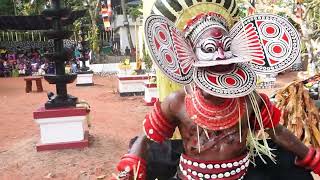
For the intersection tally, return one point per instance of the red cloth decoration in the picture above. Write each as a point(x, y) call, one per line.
point(156, 126)
point(270, 114)
point(129, 162)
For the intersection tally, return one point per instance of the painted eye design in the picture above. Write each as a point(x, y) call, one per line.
point(226, 41)
point(209, 46)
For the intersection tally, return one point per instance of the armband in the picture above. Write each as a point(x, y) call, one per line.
point(156, 126)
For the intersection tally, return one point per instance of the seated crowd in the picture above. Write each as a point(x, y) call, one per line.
point(24, 63)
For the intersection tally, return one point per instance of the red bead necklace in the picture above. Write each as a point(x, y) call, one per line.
point(214, 117)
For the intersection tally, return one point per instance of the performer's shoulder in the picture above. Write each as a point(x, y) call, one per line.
point(177, 96)
point(175, 100)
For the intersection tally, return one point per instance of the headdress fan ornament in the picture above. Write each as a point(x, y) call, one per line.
point(270, 42)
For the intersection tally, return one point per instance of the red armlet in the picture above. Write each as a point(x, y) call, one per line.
point(156, 126)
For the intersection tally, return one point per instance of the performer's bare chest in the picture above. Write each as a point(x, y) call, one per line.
point(208, 144)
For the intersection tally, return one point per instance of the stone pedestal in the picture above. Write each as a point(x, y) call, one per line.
point(62, 128)
point(85, 78)
point(130, 85)
point(150, 93)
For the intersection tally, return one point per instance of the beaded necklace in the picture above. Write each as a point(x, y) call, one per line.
point(214, 117)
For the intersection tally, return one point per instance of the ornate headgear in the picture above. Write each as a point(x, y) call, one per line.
point(261, 43)
point(182, 11)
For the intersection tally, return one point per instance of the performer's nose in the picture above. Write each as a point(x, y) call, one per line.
point(220, 54)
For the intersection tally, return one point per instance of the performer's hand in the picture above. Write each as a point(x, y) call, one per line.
point(127, 166)
point(123, 175)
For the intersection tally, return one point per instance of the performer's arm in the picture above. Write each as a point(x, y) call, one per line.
point(284, 138)
point(158, 126)
point(306, 157)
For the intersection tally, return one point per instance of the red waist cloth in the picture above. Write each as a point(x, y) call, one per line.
point(223, 170)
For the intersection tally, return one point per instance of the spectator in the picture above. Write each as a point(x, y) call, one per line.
point(1, 68)
point(7, 69)
point(127, 51)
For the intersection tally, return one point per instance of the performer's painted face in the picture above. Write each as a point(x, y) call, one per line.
point(213, 49)
point(213, 45)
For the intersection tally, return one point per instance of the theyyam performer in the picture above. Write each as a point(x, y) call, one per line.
point(204, 46)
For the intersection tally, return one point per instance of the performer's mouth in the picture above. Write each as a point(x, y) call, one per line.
point(222, 68)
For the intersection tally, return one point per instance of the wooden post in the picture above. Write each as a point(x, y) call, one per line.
point(16, 36)
point(32, 37)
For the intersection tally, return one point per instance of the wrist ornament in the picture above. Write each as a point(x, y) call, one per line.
point(132, 165)
point(311, 161)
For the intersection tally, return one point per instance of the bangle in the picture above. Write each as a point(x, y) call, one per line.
point(316, 169)
point(129, 162)
point(315, 160)
point(135, 157)
point(307, 159)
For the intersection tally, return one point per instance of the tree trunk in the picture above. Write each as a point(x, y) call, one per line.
point(94, 32)
point(126, 23)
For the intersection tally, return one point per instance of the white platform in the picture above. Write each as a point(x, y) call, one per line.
point(84, 79)
point(131, 84)
point(62, 129)
point(150, 92)
point(110, 68)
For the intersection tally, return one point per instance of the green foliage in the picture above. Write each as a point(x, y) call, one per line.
point(6, 7)
point(28, 9)
point(94, 39)
point(147, 59)
point(304, 48)
point(283, 14)
point(242, 12)
point(74, 4)
point(136, 11)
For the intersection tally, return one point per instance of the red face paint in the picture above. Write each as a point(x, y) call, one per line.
point(216, 33)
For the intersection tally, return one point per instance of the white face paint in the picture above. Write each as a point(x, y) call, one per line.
point(213, 48)
point(210, 49)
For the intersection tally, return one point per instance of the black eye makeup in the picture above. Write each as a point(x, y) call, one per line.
point(226, 41)
point(209, 46)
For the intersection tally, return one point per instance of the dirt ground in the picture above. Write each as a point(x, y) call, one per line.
point(114, 121)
